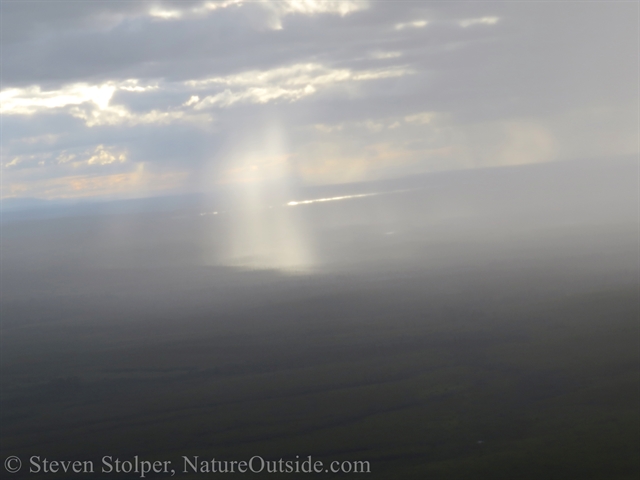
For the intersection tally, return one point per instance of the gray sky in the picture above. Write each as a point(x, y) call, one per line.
point(136, 98)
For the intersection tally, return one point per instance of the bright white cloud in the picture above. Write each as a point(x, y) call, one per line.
point(19, 161)
point(100, 155)
point(414, 24)
point(106, 156)
point(282, 8)
point(478, 21)
point(91, 103)
point(310, 7)
point(120, 115)
point(133, 85)
point(285, 83)
point(159, 13)
point(201, 9)
point(165, 14)
point(276, 8)
point(30, 100)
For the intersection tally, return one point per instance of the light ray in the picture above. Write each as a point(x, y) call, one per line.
point(262, 237)
point(330, 199)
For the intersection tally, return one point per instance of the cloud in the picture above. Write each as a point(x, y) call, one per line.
point(377, 148)
point(512, 142)
point(274, 11)
point(360, 90)
point(174, 12)
point(136, 182)
point(277, 8)
point(120, 115)
point(31, 100)
point(421, 118)
point(414, 24)
point(419, 143)
point(287, 83)
point(19, 161)
point(101, 156)
point(478, 21)
point(91, 103)
point(310, 7)
point(385, 55)
point(47, 138)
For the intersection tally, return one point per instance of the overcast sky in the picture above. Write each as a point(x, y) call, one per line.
point(135, 98)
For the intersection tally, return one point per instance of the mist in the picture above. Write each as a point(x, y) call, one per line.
point(380, 241)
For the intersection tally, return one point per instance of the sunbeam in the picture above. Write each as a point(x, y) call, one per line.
point(263, 237)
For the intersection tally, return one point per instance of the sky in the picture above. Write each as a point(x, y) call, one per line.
point(126, 99)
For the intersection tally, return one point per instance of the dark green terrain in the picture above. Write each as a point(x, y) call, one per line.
point(492, 377)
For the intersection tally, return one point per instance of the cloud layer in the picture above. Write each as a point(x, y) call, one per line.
point(142, 98)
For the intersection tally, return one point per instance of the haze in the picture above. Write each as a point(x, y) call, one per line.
point(400, 232)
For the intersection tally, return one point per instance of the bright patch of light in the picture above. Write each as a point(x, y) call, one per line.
point(91, 103)
point(277, 8)
point(133, 85)
point(165, 14)
point(310, 7)
point(30, 100)
point(201, 9)
point(300, 74)
point(269, 238)
point(478, 21)
point(287, 83)
point(331, 199)
point(415, 24)
point(101, 155)
point(192, 101)
point(120, 115)
point(26, 101)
